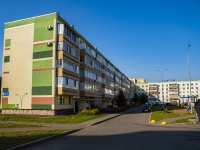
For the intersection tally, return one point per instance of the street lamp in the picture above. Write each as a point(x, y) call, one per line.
point(162, 82)
point(189, 75)
point(21, 98)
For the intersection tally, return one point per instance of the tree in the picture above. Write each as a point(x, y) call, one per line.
point(120, 99)
point(143, 98)
point(136, 98)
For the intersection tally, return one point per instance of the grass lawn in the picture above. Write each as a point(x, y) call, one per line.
point(11, 125)
point(51, 119)
point(158, 114)
point(12, 139)
point(183, 120)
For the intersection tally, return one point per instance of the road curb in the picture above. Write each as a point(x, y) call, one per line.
point(43, 139)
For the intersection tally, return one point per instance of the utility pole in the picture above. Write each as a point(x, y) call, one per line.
point(189, 75)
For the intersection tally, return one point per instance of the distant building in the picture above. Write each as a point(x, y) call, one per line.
point(49, 69)
point(168, 91)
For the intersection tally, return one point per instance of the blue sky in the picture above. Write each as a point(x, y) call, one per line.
point(137, 36)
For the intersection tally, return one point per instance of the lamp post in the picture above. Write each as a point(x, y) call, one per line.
point(162, 82)
point(189, 75)
point(21, 98)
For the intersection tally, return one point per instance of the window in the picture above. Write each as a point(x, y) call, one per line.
point(7, 42)
point(99, 79)
point(88, 61)
point(108, 74)
point(99, 58)
point(97, 66)
point(90, 51)
point(109, 91)
point(60, 99)
point(118, 73)
point(68, 32)
point(117, 79)
point(90, 75)
point(66, 82)
point(68, 49)
point(5, 90)
point(6, 59)
point(82, 59)
point(67, 65)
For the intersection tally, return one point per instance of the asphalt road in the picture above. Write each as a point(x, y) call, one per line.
point(126, 132)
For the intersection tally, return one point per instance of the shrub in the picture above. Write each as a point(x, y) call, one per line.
point(121, 108)
point(89, 112)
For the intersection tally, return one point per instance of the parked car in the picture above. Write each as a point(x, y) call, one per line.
point(146, 108)
point(148, 103)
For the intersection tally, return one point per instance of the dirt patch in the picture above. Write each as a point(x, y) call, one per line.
point(180, 111)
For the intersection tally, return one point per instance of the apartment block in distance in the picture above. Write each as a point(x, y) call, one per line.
point(48, 68)
point(169, 91)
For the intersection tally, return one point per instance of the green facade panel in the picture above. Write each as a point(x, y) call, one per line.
point(42, 64)
point(5, 89)
point(40, 23)
point(42, 78)
point(44, 54)
point(7, 42)
point(41, 48)
point(45, 90)
point(41, 107)
point(6, 59)
point(10, 106)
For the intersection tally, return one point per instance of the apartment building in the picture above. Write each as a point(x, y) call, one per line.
point(169, 91)
point(49, 68)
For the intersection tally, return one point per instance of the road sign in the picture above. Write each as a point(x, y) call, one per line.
point(5, 94)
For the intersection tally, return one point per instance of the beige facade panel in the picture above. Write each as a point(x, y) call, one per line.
point(19, 79)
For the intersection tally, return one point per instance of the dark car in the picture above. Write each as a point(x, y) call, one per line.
point(146, 108)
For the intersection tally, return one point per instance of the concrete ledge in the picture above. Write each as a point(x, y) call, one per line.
point(28, 112)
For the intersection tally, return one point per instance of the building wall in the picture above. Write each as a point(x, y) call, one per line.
point(30, 67)
point(171, 91)
point(17, 73)
point(38, 57)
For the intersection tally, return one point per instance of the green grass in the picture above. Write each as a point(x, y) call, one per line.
point(158, 114)
point(12, 139)
point(71, 119)
point(11, 125)
point(187, 120)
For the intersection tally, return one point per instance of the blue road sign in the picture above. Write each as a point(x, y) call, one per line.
point(5, 94)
